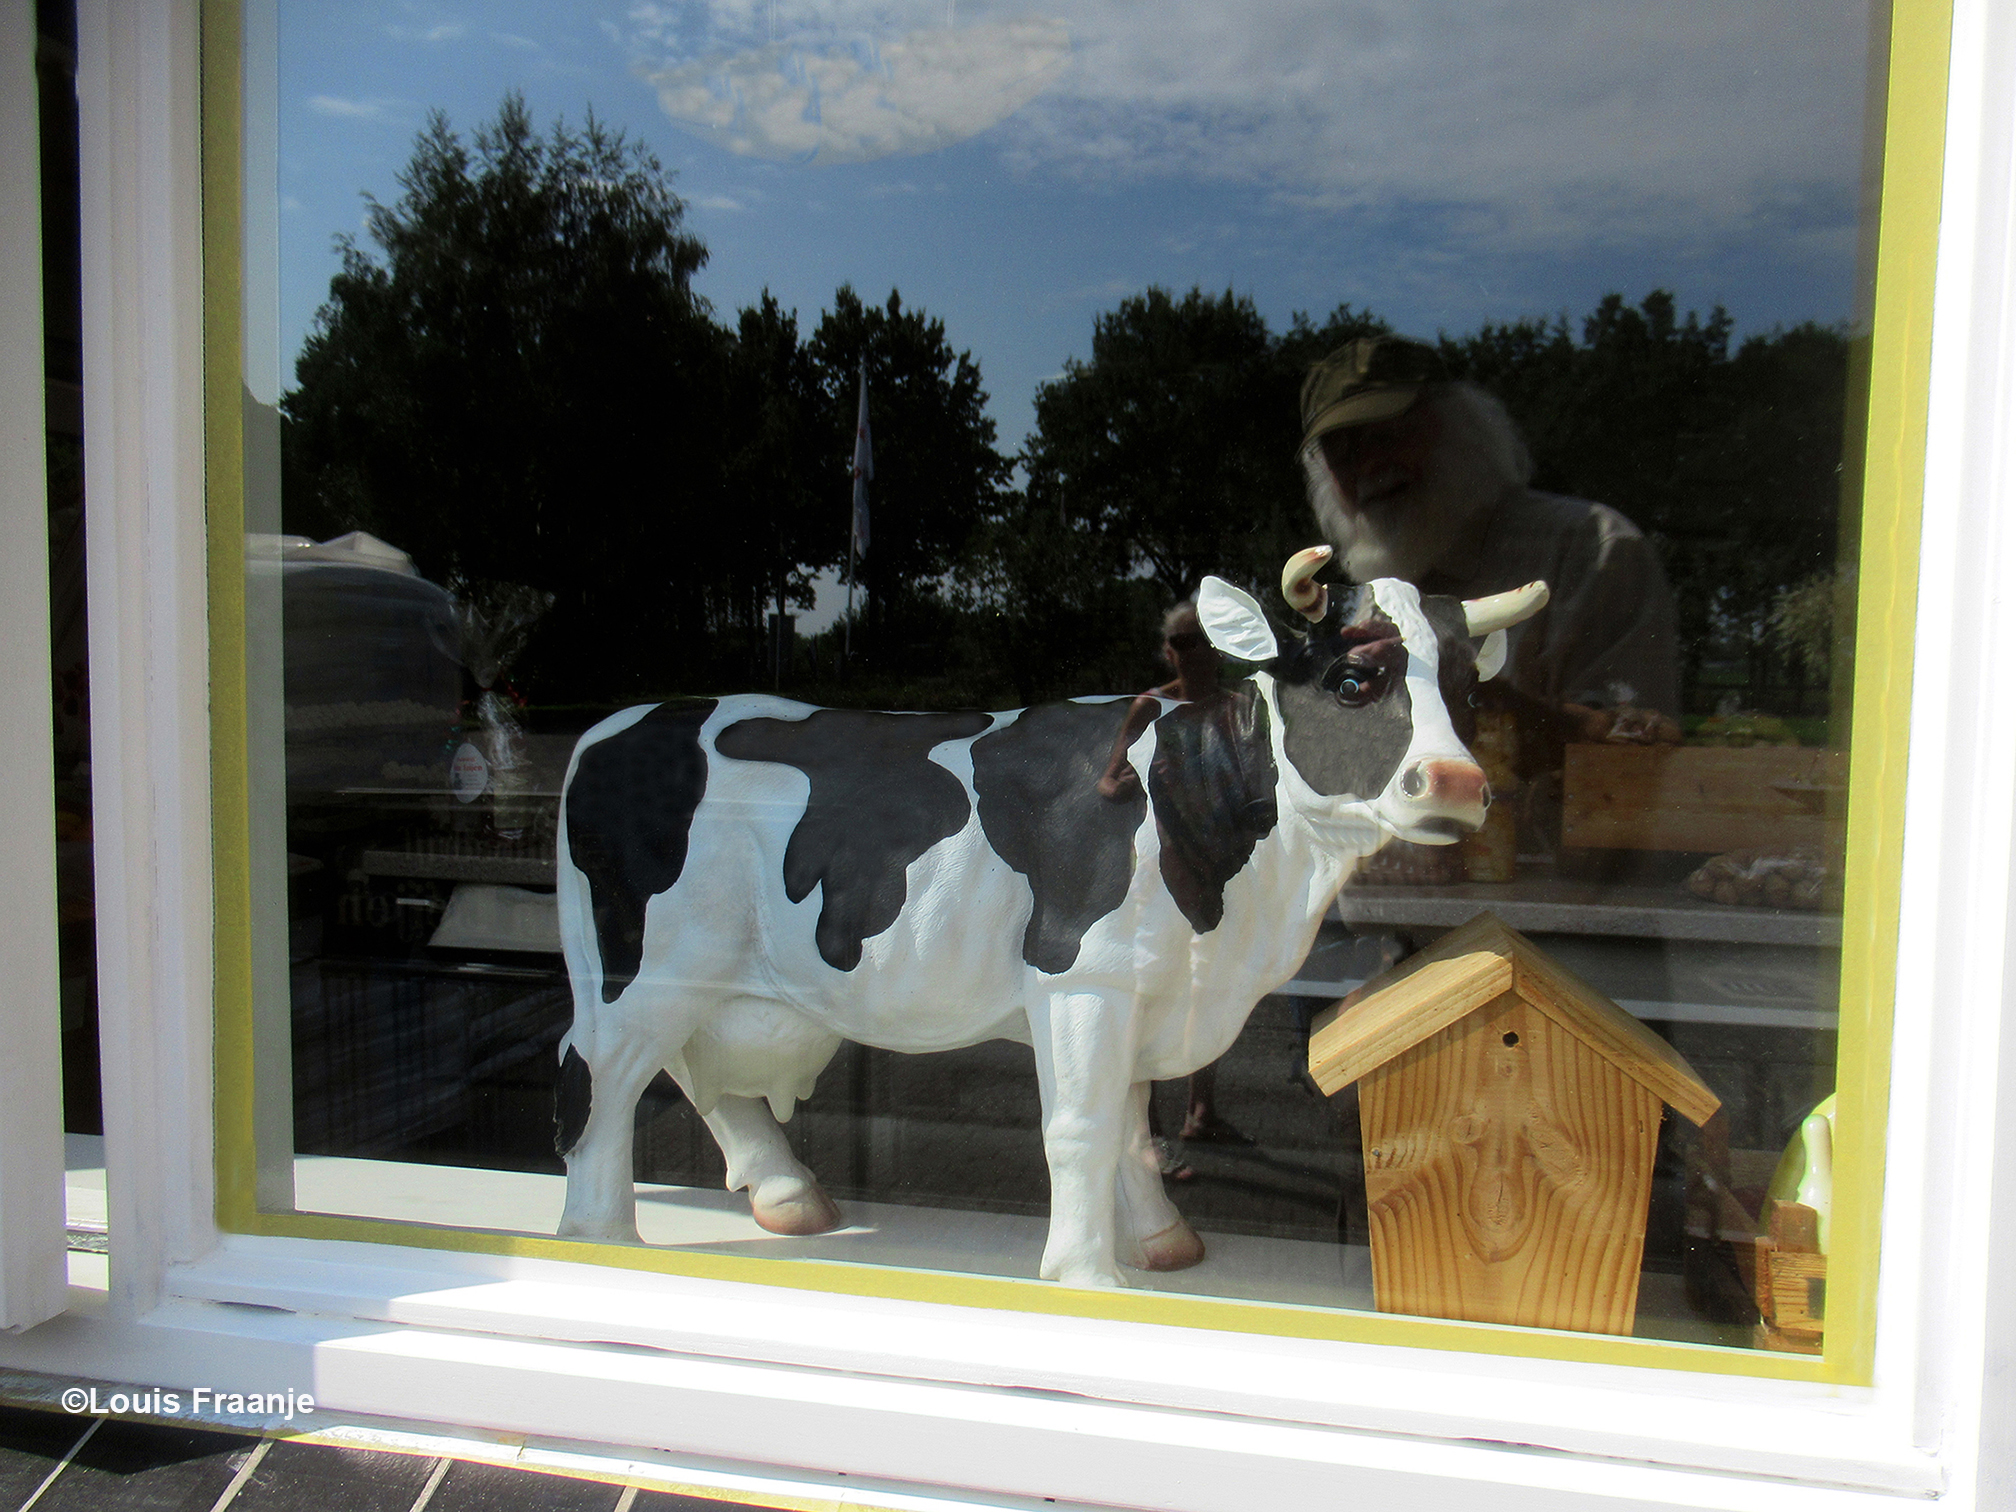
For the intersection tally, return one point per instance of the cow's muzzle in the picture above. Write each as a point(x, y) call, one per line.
point(1445, 799)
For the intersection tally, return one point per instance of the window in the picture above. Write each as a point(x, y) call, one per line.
point(795, 379)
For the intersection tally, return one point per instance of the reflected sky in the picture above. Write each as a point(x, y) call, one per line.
point(1017, 168)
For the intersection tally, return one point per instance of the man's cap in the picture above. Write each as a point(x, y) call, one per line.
point(1368, 378)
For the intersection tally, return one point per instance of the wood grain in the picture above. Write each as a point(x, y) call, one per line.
point(1460, 973)
point(1703, 798)
point(1788, 1278)
point(1508, 1181)
point(1610, 1031)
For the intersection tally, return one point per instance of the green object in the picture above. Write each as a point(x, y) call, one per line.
point(1366, 379)
point(1805, 1172)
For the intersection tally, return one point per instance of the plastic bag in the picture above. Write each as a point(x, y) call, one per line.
point(1796, 878)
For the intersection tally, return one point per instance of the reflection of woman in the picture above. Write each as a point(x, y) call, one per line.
point(1191, 657)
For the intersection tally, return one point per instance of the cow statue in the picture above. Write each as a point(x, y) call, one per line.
point(745, 882)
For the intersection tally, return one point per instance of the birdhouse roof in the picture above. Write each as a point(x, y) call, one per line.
point(1469, 969)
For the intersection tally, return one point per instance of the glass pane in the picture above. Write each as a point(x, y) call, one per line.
point(668, 425)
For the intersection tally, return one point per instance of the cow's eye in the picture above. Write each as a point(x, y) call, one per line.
point(1355, 683)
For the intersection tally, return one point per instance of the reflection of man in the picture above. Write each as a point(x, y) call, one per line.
point(1415, 476)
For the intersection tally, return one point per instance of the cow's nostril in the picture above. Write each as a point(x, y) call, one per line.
point(1485, 796)
point(1413, 782)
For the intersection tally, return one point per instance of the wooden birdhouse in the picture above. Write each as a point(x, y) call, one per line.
point(1510, 1116)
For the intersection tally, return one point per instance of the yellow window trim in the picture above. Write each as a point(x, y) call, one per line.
point(1912, 95)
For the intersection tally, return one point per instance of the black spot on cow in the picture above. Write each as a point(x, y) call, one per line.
point(1212, 784)
point(1038, 785)
point(1346, 716)
point(877, 804)
point(571, 1096)
point(1457, 666)
point(629, 810)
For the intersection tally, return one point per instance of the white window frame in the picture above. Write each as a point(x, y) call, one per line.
point(32, 1285)
point(1000, 1404)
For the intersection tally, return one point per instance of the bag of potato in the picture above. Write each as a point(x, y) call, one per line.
point(1796, 878)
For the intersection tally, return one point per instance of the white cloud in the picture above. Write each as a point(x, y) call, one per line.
point(356, 110)
point(512, 39)
point(718, 202)
point(1532, 123)
point(841, 103)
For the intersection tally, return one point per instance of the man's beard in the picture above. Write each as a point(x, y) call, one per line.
point(1404, 534)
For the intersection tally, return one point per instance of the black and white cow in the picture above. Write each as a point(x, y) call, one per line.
point(745, 882)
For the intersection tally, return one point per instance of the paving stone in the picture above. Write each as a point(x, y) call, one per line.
point(148, 1467)
point(332, 1478)
point(471, 1486)
point(31, 1445)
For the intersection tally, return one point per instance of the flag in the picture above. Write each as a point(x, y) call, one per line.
point(864, 469)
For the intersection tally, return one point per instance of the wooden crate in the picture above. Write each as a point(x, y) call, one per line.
point(1787, 1276)
point(1703, 798)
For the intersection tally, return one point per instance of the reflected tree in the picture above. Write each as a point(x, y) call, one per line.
point(515, 382)
point(1170, 451)
point(780, 523)
point(938, 475)
point(1729, 460)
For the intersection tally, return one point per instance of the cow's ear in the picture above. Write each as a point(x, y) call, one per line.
point(1491, 656)
point(1234, 623)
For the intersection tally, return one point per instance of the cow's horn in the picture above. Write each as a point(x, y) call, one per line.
point(1501, 610)
point(1305, 595)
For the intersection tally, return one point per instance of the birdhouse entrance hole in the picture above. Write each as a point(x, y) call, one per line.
point(1512, 1176)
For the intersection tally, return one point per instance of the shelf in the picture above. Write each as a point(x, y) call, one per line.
point(1657, 1011)
point(1241, 1267)
point(524, 871)
point(1551, 905)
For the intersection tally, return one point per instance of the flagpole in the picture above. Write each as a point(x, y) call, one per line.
point(857, 517)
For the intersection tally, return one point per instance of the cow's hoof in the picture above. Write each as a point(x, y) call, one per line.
point(601, 1233)
point(1088, 1280)
point(1176, 1248)
point(789, 1205)
point(1081, 1271)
